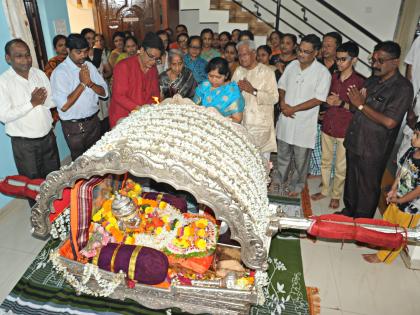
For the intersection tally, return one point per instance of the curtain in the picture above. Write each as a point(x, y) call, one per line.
point(19, 25)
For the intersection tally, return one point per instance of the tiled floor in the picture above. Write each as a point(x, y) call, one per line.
point(347, 284)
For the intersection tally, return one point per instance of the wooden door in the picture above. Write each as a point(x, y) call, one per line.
point(136, 16)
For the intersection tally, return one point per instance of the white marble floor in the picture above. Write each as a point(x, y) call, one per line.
point(347, 284)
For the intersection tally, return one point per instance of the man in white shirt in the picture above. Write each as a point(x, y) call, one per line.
point(412, 61)
point(257, 83)
point(303, 86)
point(76, 86)
point(25, 102)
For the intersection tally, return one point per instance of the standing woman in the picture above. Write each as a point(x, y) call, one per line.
point(178, 79)
point(275, 42)
point(208, 52)
point(263, 56)
point(118, 39)
point(219, 93)
point(231, 56)
point(60, 48)
point(163, 65)
point(288, 53)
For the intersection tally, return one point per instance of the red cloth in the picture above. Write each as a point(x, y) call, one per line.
point(131, 87)
point(337, 119)
point(345, 228)
point(173, 45)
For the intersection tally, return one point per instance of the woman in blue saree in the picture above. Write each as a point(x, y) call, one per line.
point(219, 93)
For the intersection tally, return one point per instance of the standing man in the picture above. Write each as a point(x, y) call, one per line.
point(371, 136)
point(257, 83)
point(76, 85)
point(330, 42)
point(136, 79)
point(303, 86)
point(25, 103)
point(336, 121)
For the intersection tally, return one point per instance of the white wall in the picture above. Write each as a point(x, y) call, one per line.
point(79, 18)
point(191, 20)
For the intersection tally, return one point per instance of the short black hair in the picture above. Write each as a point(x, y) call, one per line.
point(10, 43)
point(266, 48)
point(205, 31)
point(236, 30)
point(228, 35)
point(182, 34)
point(337, 36)
point(87, 30)
point(276, 32)
point(57, 38)
point(134, 39)
point(312, 39)
point(233, 44)
point(220, 64)
point(76, 41)
point(118, 34)
point(151, 40)
point(162, 32)
point(191, 38)
point(291, 36)
point(349, 47)
point(182, 25)
point(391, 48)
point(417, 126)
point(246, 33)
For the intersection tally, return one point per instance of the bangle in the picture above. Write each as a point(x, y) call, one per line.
point(90, 84)
point(84, 85)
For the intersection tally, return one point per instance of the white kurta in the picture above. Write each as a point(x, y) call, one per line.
point(258, 116)
point(20, 118)
point(302, 86)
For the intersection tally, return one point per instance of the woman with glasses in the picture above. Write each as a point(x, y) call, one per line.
point(136, 80)
point(193, 61)
point(178, 79)
point(219, 93)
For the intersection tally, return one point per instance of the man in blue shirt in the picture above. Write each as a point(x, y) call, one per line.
point(193, 61)
point(76, 86)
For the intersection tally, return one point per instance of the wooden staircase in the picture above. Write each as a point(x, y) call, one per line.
point(238, 15)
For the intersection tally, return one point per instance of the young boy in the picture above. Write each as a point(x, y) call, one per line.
point(404, 197)
point(336, 121)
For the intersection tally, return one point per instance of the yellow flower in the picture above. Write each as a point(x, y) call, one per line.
point(187, 231)
point(129, 240)
point(165, 218)
point(178, 224)
point(201, 244)
point(137, 188)
point(184, 244)
point(201, 232)
point(131, 194)
point(112, 221)
point(162, 205)
point(148, 210)
point(139, 200)
point(97, 216)
point(158, 230)
point(201, 223)
point(108, 228)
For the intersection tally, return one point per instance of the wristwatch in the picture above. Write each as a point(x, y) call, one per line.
point(254, 92)
point(360, 107)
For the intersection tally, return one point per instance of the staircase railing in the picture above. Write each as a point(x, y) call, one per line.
point(281, 8)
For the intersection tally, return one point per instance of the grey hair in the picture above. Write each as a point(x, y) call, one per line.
point(174, 52)
point(250, 43)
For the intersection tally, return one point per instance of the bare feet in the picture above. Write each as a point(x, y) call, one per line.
point(334, 203)
point(293, 194)
point(317, 196)
point(371, 258)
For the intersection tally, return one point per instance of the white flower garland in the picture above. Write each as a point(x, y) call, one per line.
point(210, 147)
point(89, 270)
point(60, 227)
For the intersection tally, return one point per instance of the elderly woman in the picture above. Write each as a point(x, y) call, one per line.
point(218, 92)
point(178, 79)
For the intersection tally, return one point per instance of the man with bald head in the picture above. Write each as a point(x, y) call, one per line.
point(25, 102)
